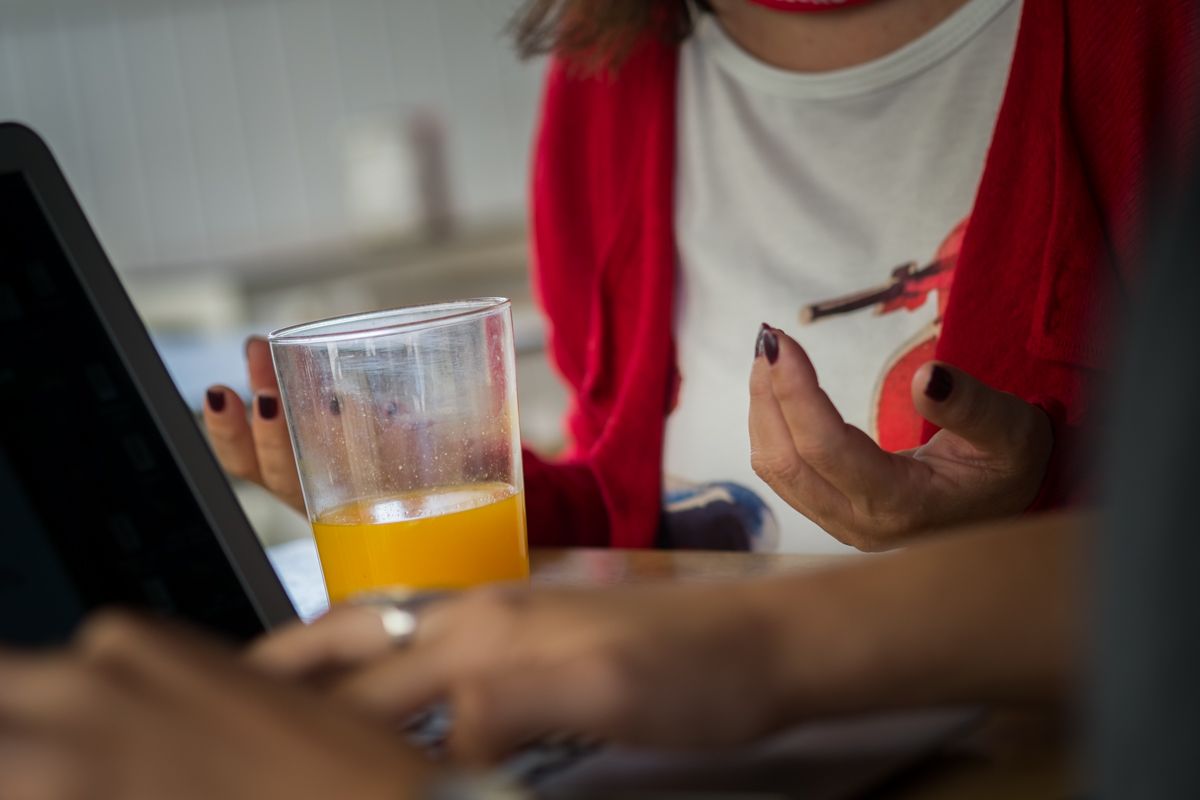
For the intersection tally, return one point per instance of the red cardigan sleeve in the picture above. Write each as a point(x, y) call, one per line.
point(564, 504)
point(1051, 249)
point(603, 271)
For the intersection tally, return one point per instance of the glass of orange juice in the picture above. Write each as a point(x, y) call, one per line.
point(404, 426)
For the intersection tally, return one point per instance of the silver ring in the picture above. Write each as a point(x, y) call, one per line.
point(398, 612)
point(400, 624)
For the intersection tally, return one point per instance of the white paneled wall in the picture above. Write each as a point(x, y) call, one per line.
point(200, 130)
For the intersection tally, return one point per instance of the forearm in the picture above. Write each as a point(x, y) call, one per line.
point(988, 615)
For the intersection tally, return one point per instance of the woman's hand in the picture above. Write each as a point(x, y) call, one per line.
point(140, 711)
point(988, 459)
point(259, 449)
point(682, 666)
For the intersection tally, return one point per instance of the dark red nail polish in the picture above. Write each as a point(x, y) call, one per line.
point(216, 400)
point(767, 344)
point(941, 384)
point(268, 407)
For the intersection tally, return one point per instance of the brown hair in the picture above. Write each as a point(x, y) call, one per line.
point(596, 34)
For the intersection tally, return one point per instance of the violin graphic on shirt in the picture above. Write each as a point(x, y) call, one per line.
point(895, 423)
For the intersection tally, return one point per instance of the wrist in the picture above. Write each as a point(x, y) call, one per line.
point(819, 658)
point(785, 615)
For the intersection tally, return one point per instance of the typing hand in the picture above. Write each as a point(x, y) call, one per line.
point(668, 666)
point(257, 450)
point(139, 711)
point(988, 459)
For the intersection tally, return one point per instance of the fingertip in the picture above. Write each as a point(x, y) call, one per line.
point(920, 379)
point(253, 344)
point(793, 371)
point(258, 356)
point(933, 382)
point(335, 641)
point(109, 632)
point(987, 417)
point(270, 650)
point(260, 365)
point(790, 349)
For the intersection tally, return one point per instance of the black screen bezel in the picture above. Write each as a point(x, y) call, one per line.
point(23, 152)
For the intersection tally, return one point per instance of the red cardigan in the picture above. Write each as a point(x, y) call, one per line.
point(1092, 87)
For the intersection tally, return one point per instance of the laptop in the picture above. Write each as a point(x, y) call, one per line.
point(110, 493)
point(111, 496)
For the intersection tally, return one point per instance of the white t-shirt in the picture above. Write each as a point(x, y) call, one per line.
point(796, 189)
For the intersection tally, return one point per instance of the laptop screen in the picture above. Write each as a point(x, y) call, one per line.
point(95, 510)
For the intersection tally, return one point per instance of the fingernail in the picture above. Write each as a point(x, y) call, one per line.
point(767, 344)
point(268, 406)
point(216, 400)
point(941, 384)
point(335, 407)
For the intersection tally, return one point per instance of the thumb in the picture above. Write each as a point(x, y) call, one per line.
point(992, 420)
point(260, 366)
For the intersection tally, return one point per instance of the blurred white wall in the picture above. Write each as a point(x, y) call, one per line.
point(200, 131)
point(241, 161)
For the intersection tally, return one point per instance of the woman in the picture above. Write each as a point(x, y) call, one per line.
point(696, 171)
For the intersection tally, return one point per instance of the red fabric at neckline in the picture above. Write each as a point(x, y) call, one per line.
point(809, 5)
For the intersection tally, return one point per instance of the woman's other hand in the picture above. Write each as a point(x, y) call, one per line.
point(988, 460)
point(683, 666)
point(255, 446)
point(141, 711)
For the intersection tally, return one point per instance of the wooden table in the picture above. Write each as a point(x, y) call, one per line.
point(298, 567)
point(1011, 755)
point(579, 567)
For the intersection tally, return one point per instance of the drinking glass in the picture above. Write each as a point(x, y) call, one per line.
point(404, 426)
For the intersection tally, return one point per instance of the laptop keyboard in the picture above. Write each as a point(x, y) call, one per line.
point(535, 762)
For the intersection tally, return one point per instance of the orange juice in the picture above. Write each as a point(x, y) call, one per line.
point(437, 539)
